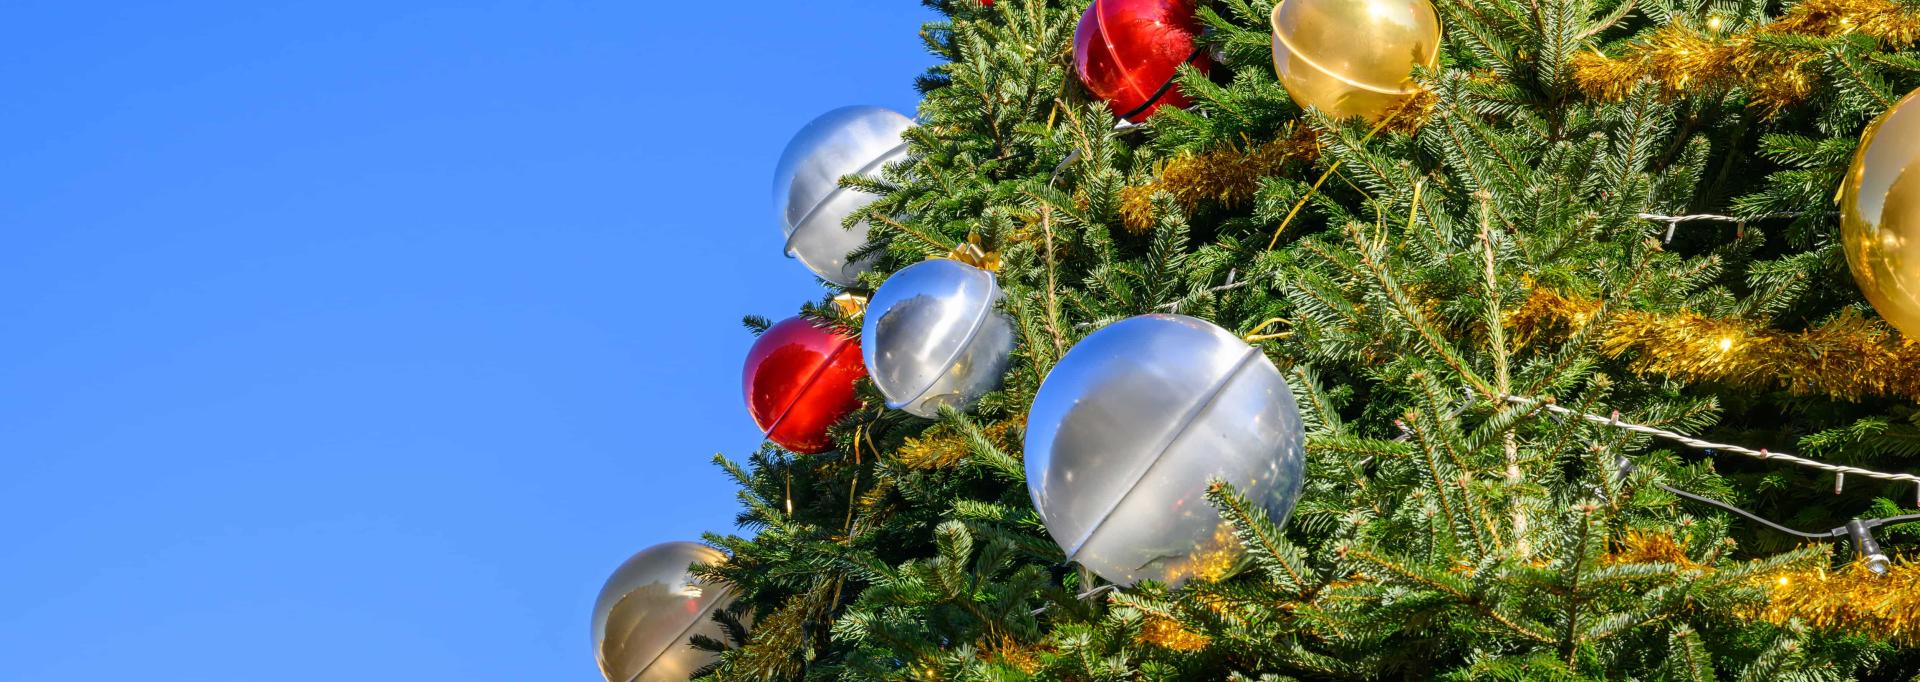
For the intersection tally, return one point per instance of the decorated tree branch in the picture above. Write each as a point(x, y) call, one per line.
point(1336, 339)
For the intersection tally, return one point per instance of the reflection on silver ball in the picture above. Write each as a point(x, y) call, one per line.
point(650, 608)
point(1129, 427)
point(932, 337)
point(807, 194)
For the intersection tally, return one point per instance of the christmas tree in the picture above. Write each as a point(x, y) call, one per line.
point(1499, 297)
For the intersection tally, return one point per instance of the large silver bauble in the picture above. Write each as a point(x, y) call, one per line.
point(1130, 426)
point(932, 337)
point(858, 140)
point(650, 608)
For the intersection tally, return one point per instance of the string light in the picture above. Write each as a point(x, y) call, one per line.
point(1865, 546)
point(1739, 222)
point(1682, 438)
point(1860, 531)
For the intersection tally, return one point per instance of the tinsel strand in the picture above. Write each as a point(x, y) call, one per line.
point(1683, 57)
point(1852, 599)
point(1167, 634)
point(1850, 357)
point(1227, 176)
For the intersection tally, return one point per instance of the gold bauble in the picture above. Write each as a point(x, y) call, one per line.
point(650, 608)
point(1353, 57)
point(1880, 215)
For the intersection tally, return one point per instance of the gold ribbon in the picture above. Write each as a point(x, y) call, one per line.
point(975, 255)
point(851, 305)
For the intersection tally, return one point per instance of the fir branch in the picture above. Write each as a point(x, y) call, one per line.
point(1406, 571)
point(1687, 656)
point(1411, 315)
point(1267, 546)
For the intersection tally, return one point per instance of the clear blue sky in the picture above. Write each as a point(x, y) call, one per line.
point(360, 340)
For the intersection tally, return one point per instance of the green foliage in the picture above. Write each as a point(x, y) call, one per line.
point(1442, 532)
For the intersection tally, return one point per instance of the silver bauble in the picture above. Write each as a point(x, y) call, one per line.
point(650, 608)
point(1130, 426)
point(932, 337)
point(858, 140)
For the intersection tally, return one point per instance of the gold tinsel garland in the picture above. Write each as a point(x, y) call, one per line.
point(1851, 599)
point(1549, 314)
point(1209, 560)
point(943, 446)
point(1849, 357)
point(1008, 650)
point(1682, 57)
point(1228, 176)
point(1641, 547)
point(1166, 634)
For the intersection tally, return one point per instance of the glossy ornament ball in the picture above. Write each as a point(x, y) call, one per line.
point(1880, 215)
point(650, 608)
point(932, 337)
point(1353, 57)
point(807, 194)
point(1127, 51)
point(799, 381)
point(1129, 427)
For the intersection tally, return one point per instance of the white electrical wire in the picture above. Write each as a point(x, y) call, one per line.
point(1838, 470)
point(1672, 220)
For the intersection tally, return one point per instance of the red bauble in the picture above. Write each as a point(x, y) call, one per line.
point(799, 381)
point(1127, 50)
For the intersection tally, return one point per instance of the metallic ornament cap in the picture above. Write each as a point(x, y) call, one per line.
point(931, 336)
point(649, 607)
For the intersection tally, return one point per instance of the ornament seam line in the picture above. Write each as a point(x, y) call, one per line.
point(807, 218)
point(1295, 53)
point(979, 322)
point(704, 613)
point(1165, 88)
point(1185, 424)
point(808, 384)
point(1100, 18)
